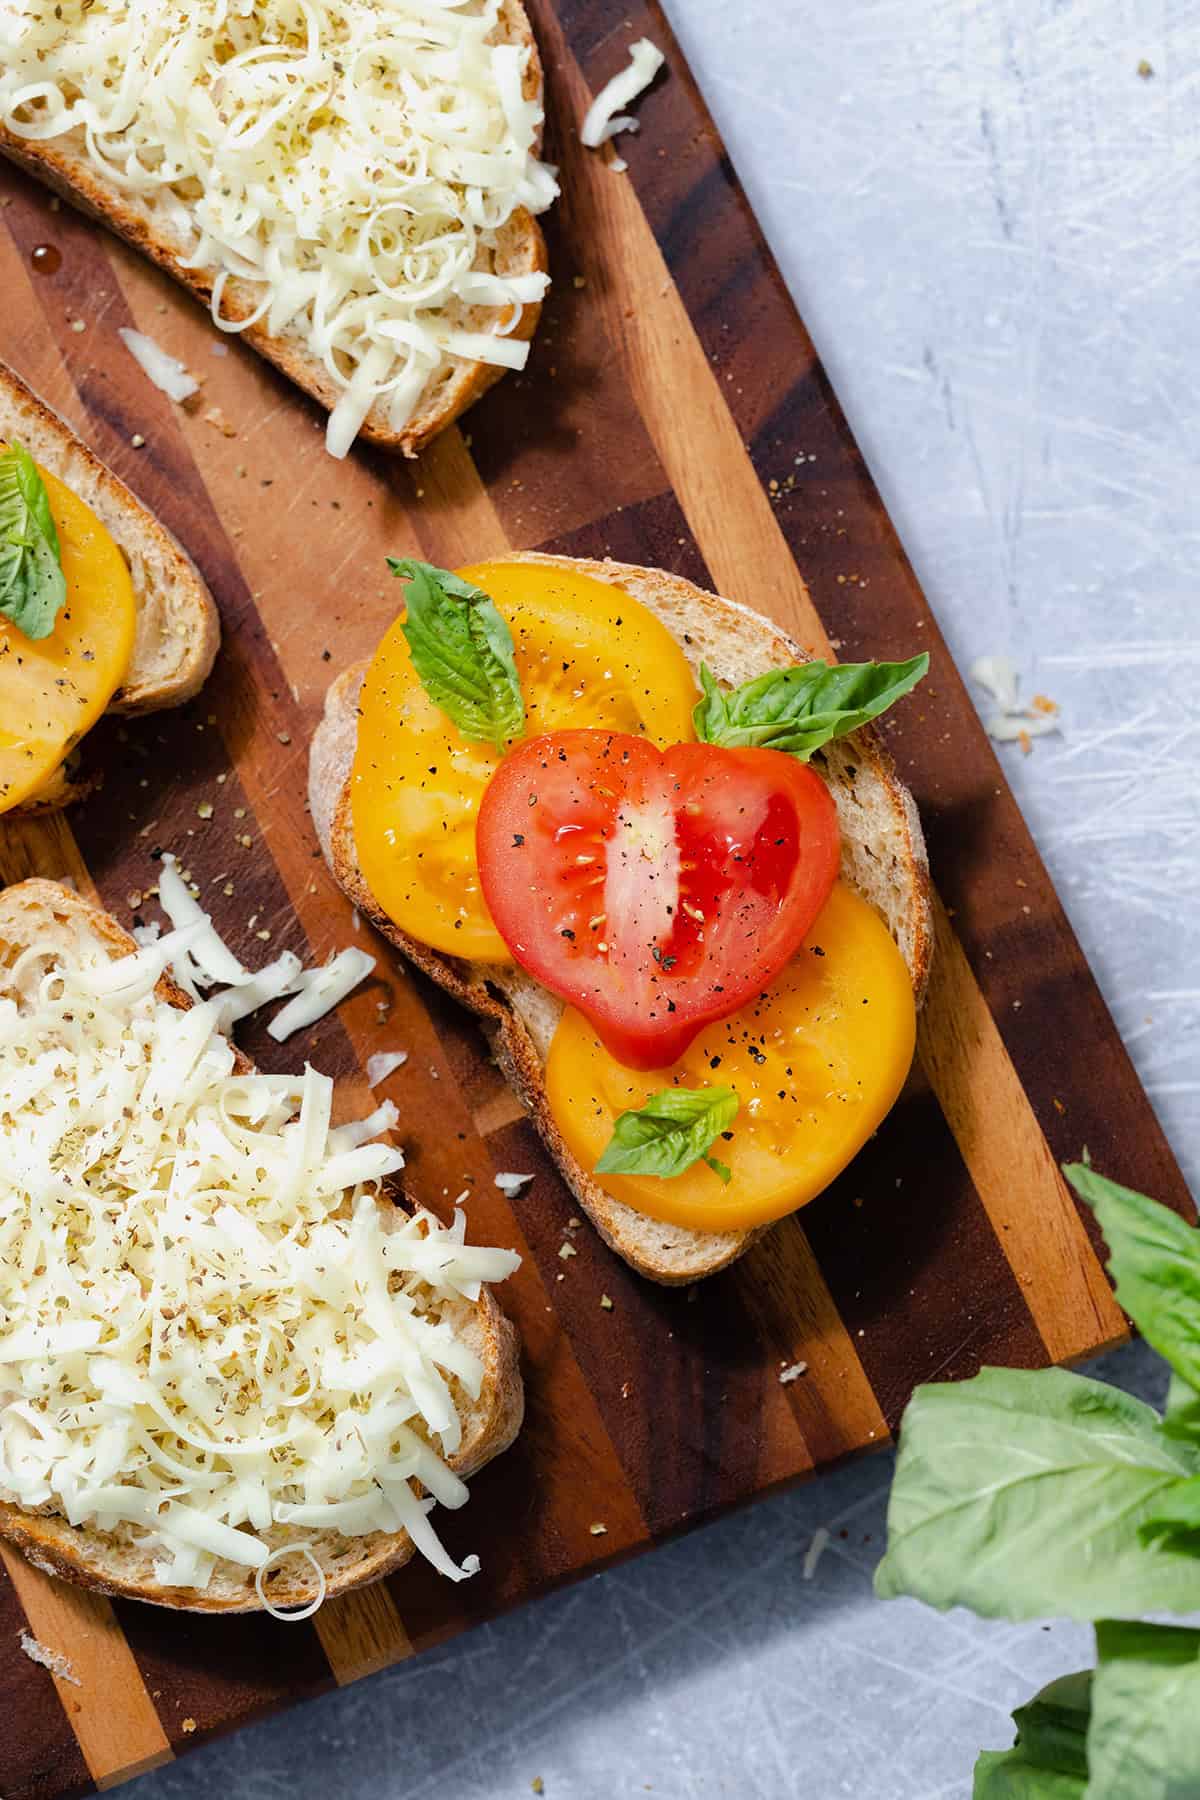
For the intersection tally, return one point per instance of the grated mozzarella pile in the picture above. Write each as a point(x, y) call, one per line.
point(210, 1343)
point(352, 162)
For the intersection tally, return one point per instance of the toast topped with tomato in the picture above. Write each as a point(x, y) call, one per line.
point(624, 821)
point(100, 609)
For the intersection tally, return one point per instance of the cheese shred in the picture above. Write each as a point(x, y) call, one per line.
point(215, 1344)
point(341, 172)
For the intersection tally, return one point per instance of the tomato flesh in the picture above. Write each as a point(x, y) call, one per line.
point(655, 890)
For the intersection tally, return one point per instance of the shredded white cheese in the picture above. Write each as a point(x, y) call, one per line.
point(1014, 723)
point(604, 116)
point(383, 1064)
point(815, 1551)
point(320, 990)
point(166, 372)
point(213, 1340)
point(1010, 728)
point(510, 1183)
point(341, 170)
point(999, 677)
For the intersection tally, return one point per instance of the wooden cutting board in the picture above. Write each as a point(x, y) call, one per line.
point(673, 413)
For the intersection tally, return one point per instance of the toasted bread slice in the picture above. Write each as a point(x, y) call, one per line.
point(43, 913)
point(883, 857)
point(177, 625)
point(455, 384)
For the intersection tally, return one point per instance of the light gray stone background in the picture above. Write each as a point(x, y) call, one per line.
point(991, 224)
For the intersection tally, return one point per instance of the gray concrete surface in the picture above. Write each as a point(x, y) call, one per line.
point(991, 223)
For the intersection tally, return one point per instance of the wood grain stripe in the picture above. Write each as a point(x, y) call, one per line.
point(108, 1706)
point(672, 380)
point(362, 1633)
point(989, 1112)
point(39, 1753)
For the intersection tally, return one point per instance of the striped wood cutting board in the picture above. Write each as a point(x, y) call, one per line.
point(673, 414)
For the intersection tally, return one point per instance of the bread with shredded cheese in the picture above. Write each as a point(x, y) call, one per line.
point(883, 859)
point(152, 1314)
point(177, 630)
point(356, 183)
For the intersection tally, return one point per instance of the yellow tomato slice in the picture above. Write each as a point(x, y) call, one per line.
point(54, 689)
point(587, 653)
point(817, 1063)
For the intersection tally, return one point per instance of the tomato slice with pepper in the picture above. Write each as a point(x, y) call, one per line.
point(656, 890)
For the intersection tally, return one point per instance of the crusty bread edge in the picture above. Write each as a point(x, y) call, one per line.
point(72, 176)
point(507, 1033)
point(126, 518)
point(59, 1548)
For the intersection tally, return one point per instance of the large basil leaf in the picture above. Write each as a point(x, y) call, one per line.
point(1144, 1739)
point(1020, 1494)
point(1007, 1775)
point(799, 709)
point(1154, 1258)
point(32, 584)
point(1049, 1759)
point(462, 651)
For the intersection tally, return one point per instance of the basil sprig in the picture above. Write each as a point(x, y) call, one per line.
point(32, 584)
point(799, 709)
point(674, 1129)
point(462, 651)
point(1049, 1759)
point(1024, 1494)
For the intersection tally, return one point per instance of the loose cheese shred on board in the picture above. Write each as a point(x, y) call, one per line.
point(320, 990)
point(383, 1064)
point(166, 372)
point(510, 1183)
point(343, 171)
point(213, 1341)
point(604, 116)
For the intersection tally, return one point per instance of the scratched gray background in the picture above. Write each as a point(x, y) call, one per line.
point(991, 224)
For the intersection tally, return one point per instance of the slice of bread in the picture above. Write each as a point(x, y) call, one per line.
point(520, 249)
point(177, 629)
point(883, 857)
point(44, 914)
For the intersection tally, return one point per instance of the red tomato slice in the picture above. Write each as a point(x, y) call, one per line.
point(655, 890)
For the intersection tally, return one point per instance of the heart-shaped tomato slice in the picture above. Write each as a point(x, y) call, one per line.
point(655, 890)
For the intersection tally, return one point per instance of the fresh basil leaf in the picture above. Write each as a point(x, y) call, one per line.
point(1176, 1513)
point(673, 1130)
point(1049, 1759)
point(462, 651)
point(32, 584)
point(799, 709)
point(1144, 1739)
point(1154, 1259)
point(1182, 1417)
point(1020, 1494)
point(1006, 1775)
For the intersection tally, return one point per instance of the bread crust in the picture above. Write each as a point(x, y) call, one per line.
point(736, 642)
point(452, 388)
point(48, 910)
point(178, 630)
